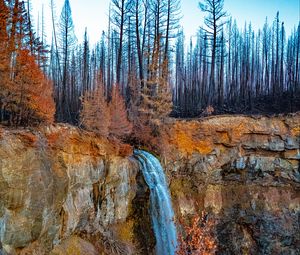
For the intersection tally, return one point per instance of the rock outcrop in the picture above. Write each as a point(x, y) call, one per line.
point(66, 191)
point(60, 182)
point(245, 172)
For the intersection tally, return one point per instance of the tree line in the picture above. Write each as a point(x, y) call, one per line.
point(232, 70)
point(134, 54)
point(144, 51)
point(143, 63)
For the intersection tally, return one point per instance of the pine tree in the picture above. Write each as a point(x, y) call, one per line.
point(32, 100)
point(94, 115)
point(4, 65)
point(119, 126)
point(4, 13)
point(5, 83)
point(25, 93)
point(156, 98)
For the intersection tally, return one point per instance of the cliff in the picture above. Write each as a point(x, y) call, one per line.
point(59, 185)
point(66, 191)
point(245, 172)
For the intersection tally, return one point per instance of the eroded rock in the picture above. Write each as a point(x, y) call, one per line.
point(244, 171)
point(59, 181)
point(62, 190)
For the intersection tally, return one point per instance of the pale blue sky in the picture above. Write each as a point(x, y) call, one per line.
point(93, 14)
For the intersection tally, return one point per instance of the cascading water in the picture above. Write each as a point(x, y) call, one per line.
point(161, 211)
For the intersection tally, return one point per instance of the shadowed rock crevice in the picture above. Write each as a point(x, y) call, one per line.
point(142, 229)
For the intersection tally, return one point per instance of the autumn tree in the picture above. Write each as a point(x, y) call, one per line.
point(157, 95)
point(4, 15)
point(26, 94)
point(95, 115)
point(5, 83)
point(32, 101)
point(119, 125)
point(156, 100)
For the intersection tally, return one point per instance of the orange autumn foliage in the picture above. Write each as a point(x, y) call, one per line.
point(31, 99)
point(119, 125)
point(4, 13)
point(25, 92)
point(4, 59)
point(105, 119)
point(94, 115)
point(197, 239)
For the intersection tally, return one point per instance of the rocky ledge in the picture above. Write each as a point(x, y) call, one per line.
point(66, 191)
point(245, 172)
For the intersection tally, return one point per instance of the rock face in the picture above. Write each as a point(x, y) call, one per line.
point(245, 172)
point(65, 191)
point(59, 182)
point(74, 245)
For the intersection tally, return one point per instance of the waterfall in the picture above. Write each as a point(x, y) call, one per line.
point(161, 211)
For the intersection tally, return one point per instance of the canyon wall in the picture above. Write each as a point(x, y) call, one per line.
point(244, 171)
point(62, 187)
point(66, 191)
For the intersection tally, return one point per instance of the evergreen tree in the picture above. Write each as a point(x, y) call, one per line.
point(26, 94)
point(94, 115)
point(31, 100)
point(119, 125)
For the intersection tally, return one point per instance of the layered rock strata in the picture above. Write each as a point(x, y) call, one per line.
point(245, 172)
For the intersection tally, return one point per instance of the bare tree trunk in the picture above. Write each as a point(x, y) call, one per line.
point(120, 48)
point(138, 42)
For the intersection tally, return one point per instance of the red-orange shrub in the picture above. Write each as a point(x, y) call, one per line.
point(197, 239)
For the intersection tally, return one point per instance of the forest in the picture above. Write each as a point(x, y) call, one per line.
point(143, 68)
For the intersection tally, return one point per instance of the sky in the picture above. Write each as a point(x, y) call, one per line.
point(93, 14)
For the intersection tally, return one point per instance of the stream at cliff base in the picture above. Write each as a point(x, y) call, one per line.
point(161, 211)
